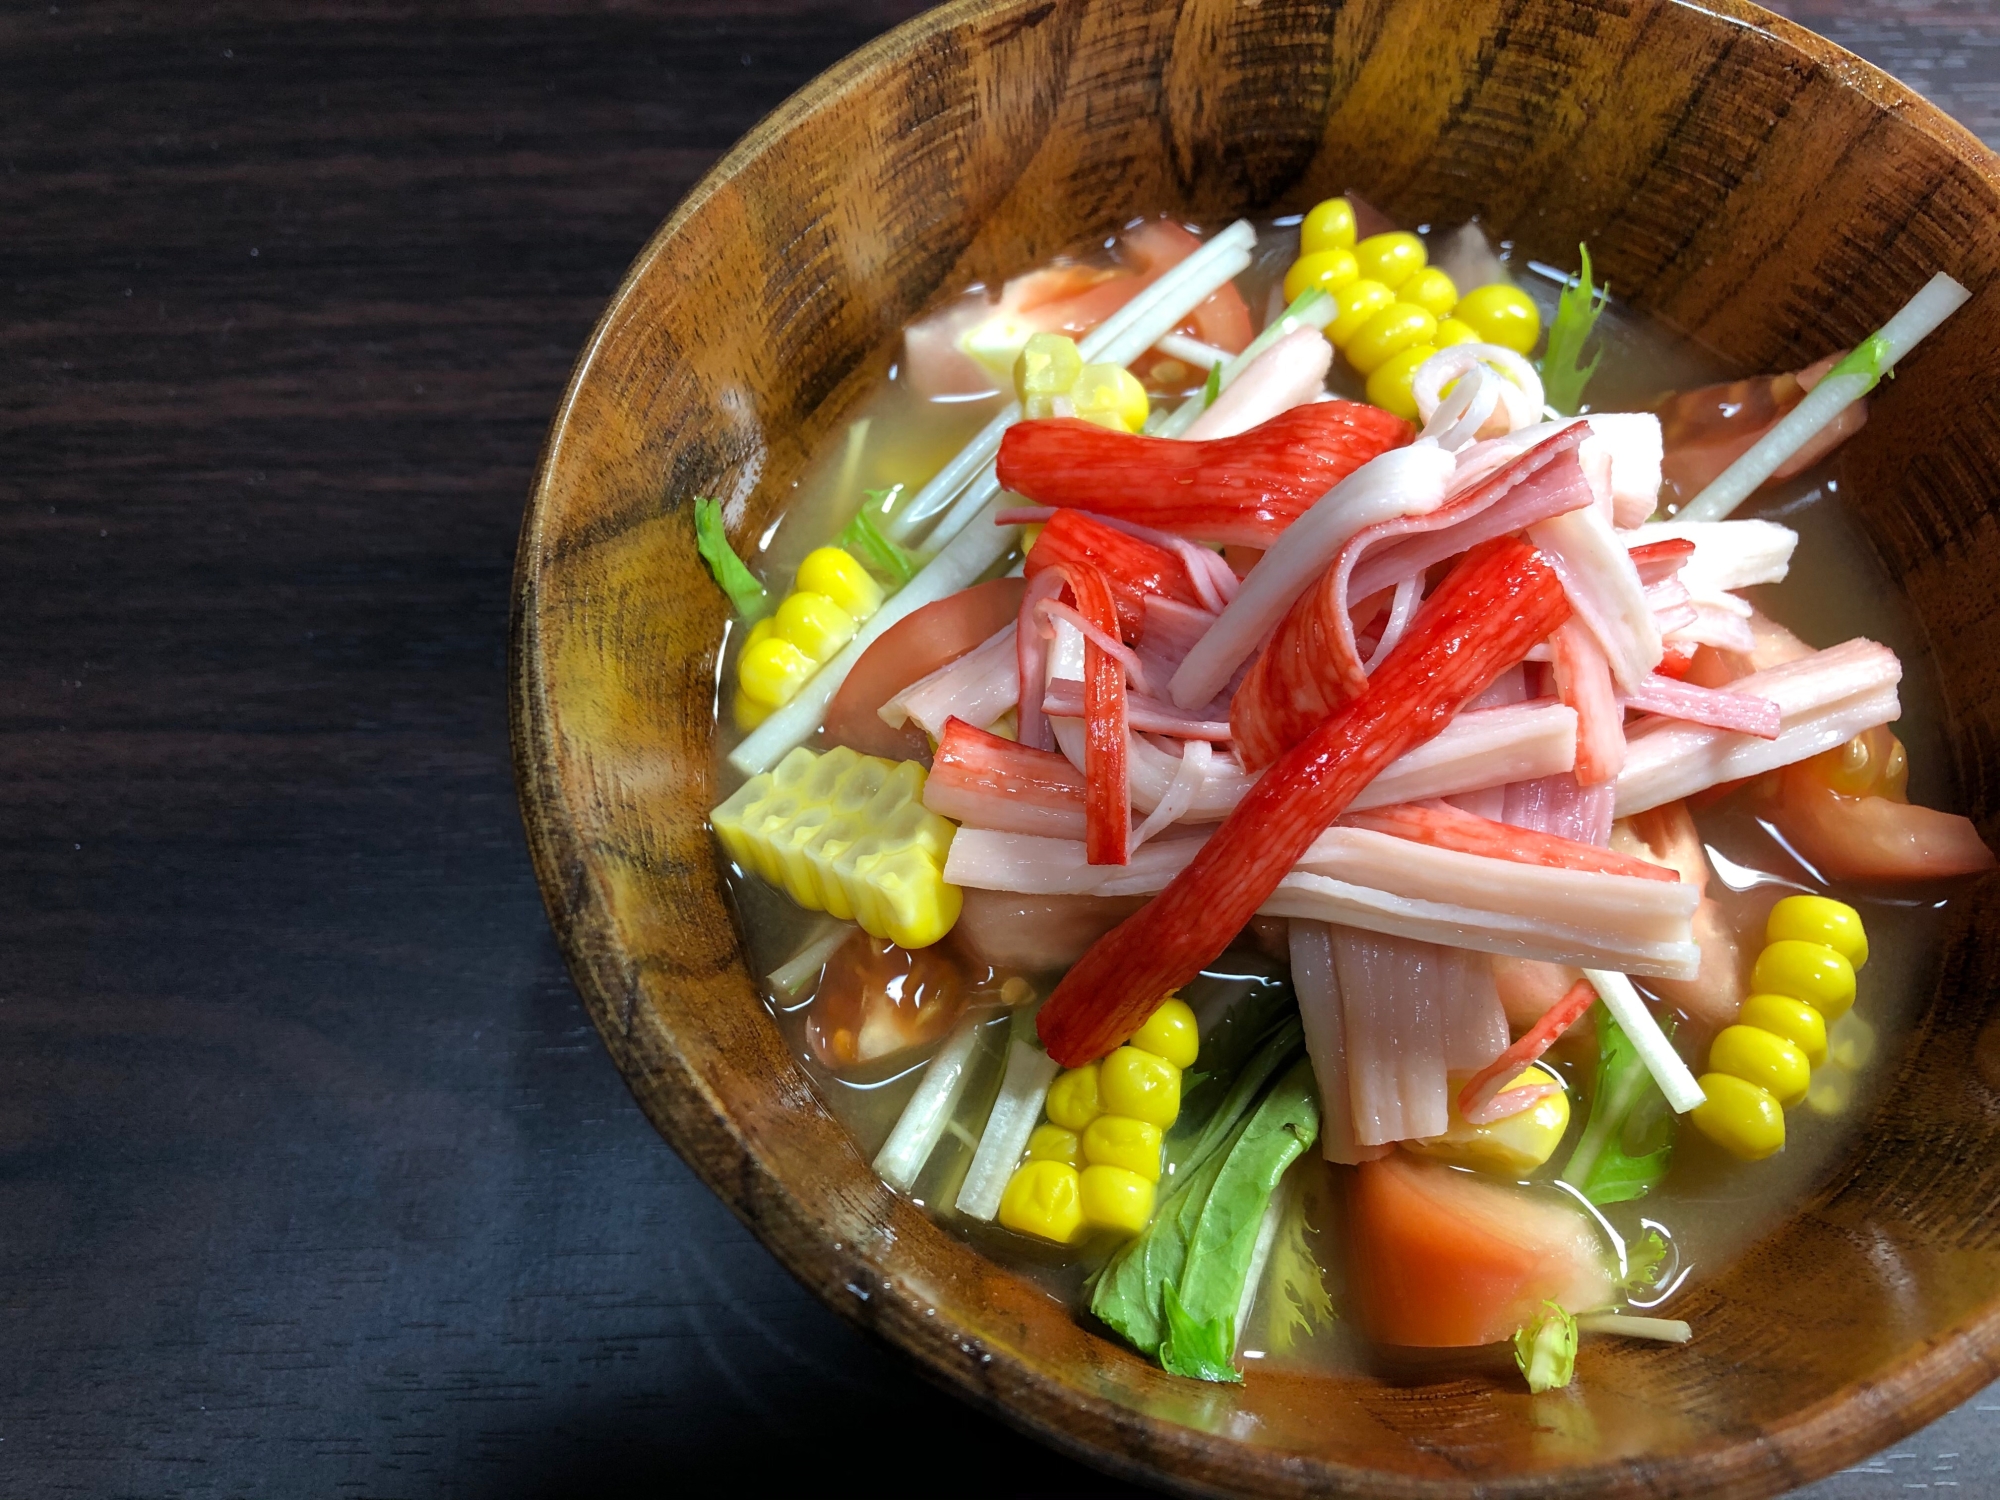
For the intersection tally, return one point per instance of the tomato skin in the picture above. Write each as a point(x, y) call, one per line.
point(1442, 1260)
point(1873, 838)
point(915, 646)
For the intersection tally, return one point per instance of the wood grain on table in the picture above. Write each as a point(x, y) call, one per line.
point(313, 1176)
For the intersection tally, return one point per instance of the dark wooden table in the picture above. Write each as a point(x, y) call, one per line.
point(313, 1177)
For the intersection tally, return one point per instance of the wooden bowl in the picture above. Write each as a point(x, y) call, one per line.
point(1734, 174)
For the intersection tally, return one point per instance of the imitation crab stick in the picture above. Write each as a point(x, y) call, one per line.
point(1498, 601)
point(1133, 568)
point(1485, 1097)
point(1244, 489)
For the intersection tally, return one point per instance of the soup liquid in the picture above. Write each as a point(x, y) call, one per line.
point(1710, 1206)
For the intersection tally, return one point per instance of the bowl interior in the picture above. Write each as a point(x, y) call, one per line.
point(1749, 183)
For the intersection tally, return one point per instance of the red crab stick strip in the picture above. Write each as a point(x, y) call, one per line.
point(1498, 601)
point(1447, 827)
point(1107, 802)
point(1483, 1101)
point(1243, 489)
point(1133, 568)
point(982, 779)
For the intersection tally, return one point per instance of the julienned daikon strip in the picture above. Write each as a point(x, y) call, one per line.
point(1192, 351)
point(1728, 555)
point(924, 1118)
point(1311, 309)
point(1824, 699)
point(1654, 1050)
point(804, 966)
point(1624, 1325)
point(1845, 384)
point(962, 563)
point(1030, 1071)
point(1399, 887)
point(1119, 339)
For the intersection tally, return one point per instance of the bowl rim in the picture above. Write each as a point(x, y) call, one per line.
point(1921, 1384)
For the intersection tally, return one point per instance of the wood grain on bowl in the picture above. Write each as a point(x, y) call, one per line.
point(1733, 174)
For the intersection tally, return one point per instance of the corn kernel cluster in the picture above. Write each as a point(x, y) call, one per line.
point(1053, 381)
point(1762, 1066)
point(1095, 1163)
point(1511, 1147)
point(848, 835)
point(1392, 310)
point(831, 597)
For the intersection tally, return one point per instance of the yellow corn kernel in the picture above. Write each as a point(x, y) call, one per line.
point(1118, 1141)
point(1330, 226)
point(1073, 1098)
point(1170, 1032)
point(1763, 1058)
point(1391, 258)
point(1329, 270)
point(848, 835)
point(1044, 1198)
point(1354, 305)
point(1053, 1143)
point(1511, 1147)
point(1399, 326)
point(1111, 396)
point(1811, 972)
point(772, 671)
point(1432, 290)
point(761, 631)
point(1816, 919)
point(834, 573)
point(1116, 1199)
point(1392, 386)
point(1794, 1020)
point(1138, 1084)
point(1740, 1117)
point(1501, 314)
point(1454, 331)
point(1048, 366)
point(749, 714)
point(814, 623)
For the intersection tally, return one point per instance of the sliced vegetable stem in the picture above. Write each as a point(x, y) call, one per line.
point(796, 972)
point(925, 1117)
point(1848, 381)
point(1008, 1126)
point(1665, 1064)
point(1665, 1330)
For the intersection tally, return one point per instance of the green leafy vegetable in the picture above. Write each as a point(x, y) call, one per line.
point(1546, 1350)
point(1564, 374)
point(1213, 388)
point(1174, 1291)
point(1628, 1142)
point(1643, 1260)
point(864, 537)
point(1299, 1302)
point(735, 580)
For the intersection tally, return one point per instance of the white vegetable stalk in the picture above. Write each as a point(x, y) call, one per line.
point(1260, 1255)
point(1665, 1330)
point(1030, 1071)
point(804, 966)
point(930, 1108)
point(1119, 339)
point(1190, 351)
point(1313, 309)
point(1848, 381)
point(1651, 1043)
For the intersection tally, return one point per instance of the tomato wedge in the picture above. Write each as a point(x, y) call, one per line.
point(915, 646)
point(1874, 838)
point(1441, 1259)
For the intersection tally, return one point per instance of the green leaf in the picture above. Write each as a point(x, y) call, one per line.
point(745, 593)
point(1643, 1260)
point(1564, 374)
point(1628, 1141)
point(1300, 1304)
point(1201, 1351)
point(866, 541)
point(1212, 388)
point(1546, 1350)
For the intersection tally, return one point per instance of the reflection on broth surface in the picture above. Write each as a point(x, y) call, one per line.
point(863, 1017)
